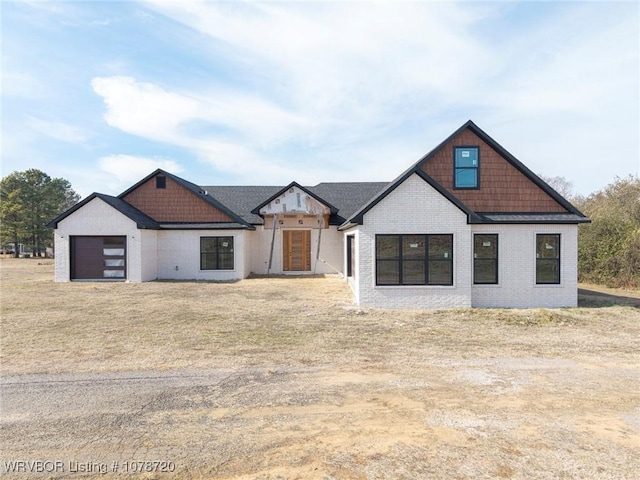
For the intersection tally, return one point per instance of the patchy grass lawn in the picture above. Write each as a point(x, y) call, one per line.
point(341, 392)
point(90, 327)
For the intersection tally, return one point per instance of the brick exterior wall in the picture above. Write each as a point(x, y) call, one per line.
point(97, 218)
point(517, 269)
point(503, 188)
point(331, 254)
point(173, 203)
point(179, 255)
point(413, 207)
point(149, 254)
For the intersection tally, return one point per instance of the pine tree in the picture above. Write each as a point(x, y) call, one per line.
point(28, 200)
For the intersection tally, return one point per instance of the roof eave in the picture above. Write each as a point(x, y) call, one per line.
point(188, 226)
point(191, 187)
point(54, 223)
point(531, 222)
point(347, 226)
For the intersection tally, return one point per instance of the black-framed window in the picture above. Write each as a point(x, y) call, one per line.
point(216, 253)
point(351, 257)
point(466, 167)
point(414, 259)
point(548, 258)
point(485, 258)
point(161, 182)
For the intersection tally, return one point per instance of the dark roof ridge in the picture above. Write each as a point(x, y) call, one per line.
point(347, 183)
point(142, 220)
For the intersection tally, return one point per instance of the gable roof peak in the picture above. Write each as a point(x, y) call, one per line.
point(194, 189)
point(473, 217)
point(256, 211)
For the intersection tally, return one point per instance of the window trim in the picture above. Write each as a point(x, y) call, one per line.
point(400, 260)
point(496, 258)
point(217, 252)
point(476, 168)
point(351, 239)
point(557, 259)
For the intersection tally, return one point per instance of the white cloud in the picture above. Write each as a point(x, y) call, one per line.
point(124, 170)
point(59, 130)
point(329, 76)
point(358, 84)
point(144, 109)
point(341, 62)
point(149, 111)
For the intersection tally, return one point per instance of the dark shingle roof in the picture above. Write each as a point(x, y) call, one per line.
point(346, 197)
point(349, 200)
point(239, 201)
point(242, 199)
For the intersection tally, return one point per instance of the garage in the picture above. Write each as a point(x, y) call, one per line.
point(98, 257)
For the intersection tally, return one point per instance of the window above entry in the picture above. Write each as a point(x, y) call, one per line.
point(466, 167)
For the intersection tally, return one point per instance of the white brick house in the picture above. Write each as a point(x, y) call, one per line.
point(467, 226)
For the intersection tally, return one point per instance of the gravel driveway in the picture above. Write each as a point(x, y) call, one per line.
point(286, 379)
point(522, 417)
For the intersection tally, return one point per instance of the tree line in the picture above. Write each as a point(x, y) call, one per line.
point(28, 201)
point(608, 247)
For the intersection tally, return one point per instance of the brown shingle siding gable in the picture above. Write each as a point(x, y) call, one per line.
point(503, 188)
point(172, 204)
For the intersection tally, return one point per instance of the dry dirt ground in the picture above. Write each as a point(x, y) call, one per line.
point(285, 379)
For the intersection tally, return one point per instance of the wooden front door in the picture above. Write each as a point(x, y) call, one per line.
point(296, 254)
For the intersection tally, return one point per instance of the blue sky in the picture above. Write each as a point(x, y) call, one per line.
point(102, 93)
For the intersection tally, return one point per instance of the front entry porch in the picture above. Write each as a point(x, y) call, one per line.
point(296, 250)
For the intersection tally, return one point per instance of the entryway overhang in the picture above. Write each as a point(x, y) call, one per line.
point(294, 206)
point(296, 212)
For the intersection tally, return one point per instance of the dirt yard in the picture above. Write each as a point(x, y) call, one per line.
point(285, 379)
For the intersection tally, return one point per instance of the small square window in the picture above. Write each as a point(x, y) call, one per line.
point(161, 182)
point(216, 253)
point(466, 167)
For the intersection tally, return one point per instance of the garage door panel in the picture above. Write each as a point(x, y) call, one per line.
point(98, 258)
